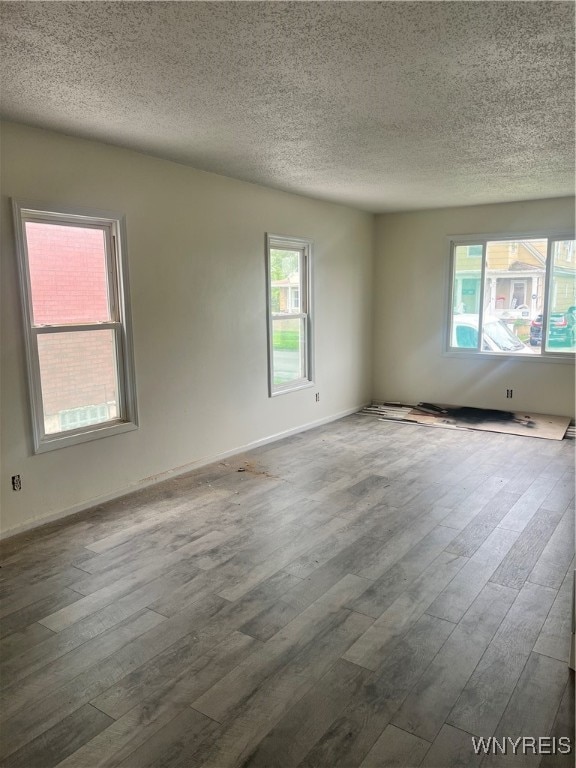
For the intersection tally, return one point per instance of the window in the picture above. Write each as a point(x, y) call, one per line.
point(295, 300)
point(521, 293)
point(473, 251)
point(289, 325)
point(75, 300)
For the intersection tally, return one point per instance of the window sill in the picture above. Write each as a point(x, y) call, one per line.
point(563, 358)
point(301, 384)
point(63, 440)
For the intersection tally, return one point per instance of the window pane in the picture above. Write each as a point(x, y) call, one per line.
point(288, 350)
point(561, 335)
point(285, 280)
point(68, 275)
point(513, 294)
point(79, 379)
point(466, 296)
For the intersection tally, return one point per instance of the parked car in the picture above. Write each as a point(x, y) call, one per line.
point(496, 335)
point(561, 329)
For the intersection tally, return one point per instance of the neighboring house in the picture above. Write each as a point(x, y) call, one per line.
point(79, 383)
point(515, 275)
point(286, 294)
point(563, 289)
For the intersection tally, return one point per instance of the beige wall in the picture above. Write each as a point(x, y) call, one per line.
point(410, 307)
point(196, 255)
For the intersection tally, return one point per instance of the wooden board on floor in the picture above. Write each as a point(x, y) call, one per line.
point(524, 424)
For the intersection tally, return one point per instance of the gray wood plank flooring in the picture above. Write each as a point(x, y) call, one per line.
point(363, 594)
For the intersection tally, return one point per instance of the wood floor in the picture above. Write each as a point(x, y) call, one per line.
point(365, 594)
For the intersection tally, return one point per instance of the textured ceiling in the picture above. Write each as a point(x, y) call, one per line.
point(384, 106)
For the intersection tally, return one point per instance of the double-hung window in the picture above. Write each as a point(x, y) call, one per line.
point(288, 271)
point(513, 295)
point(77, 323)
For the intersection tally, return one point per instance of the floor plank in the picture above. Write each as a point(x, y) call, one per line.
point(20, 642)
point(57, 673)
point(478, 530)
point(396, 749)
point(155, 706)
point(528, 504)
point(296, 733)
point(523, 555)
point(563, 728)
point(531, 709)
point(486, 695)
point(452, 748)
point(178, 673)
point(256, 715)
point(351, 736)
point(432, 698)
point(371, 649)
point(551, 567)
point(32, 593)
point(555, 636)
point(179, 743)
point(299, 633)
point(453, 602)
point(380, 595)
point(54, 745)
point(19, 620)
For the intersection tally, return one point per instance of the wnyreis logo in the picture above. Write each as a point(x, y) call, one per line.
point(524, 745)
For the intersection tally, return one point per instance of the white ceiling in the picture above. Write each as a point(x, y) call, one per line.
point(384, 106)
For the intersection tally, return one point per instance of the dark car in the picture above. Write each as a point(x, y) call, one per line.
point(561, 329)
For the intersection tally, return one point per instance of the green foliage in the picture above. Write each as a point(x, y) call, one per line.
point(522, 329)
point(282, 264)
point(286, 339)
point(275, 299)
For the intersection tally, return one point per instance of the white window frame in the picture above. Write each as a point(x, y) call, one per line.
point(114, 229)
point(545, 355)
point(304, 247)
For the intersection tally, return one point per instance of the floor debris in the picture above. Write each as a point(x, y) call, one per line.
point(483, 419)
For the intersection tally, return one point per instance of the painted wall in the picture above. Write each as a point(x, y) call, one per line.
point(196, 255)
point(410, 309)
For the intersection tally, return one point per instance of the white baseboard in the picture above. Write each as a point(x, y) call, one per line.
point(154, 479)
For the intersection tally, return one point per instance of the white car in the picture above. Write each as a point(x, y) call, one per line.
point(519, 313)
point(496, 335)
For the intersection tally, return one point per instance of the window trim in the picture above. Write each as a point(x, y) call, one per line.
point(305, 246)
point(545, 356)
point(114, 227)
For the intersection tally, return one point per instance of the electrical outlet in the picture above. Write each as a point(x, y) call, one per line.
point(16, 483)
point(317, 397)
point(509, 393)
